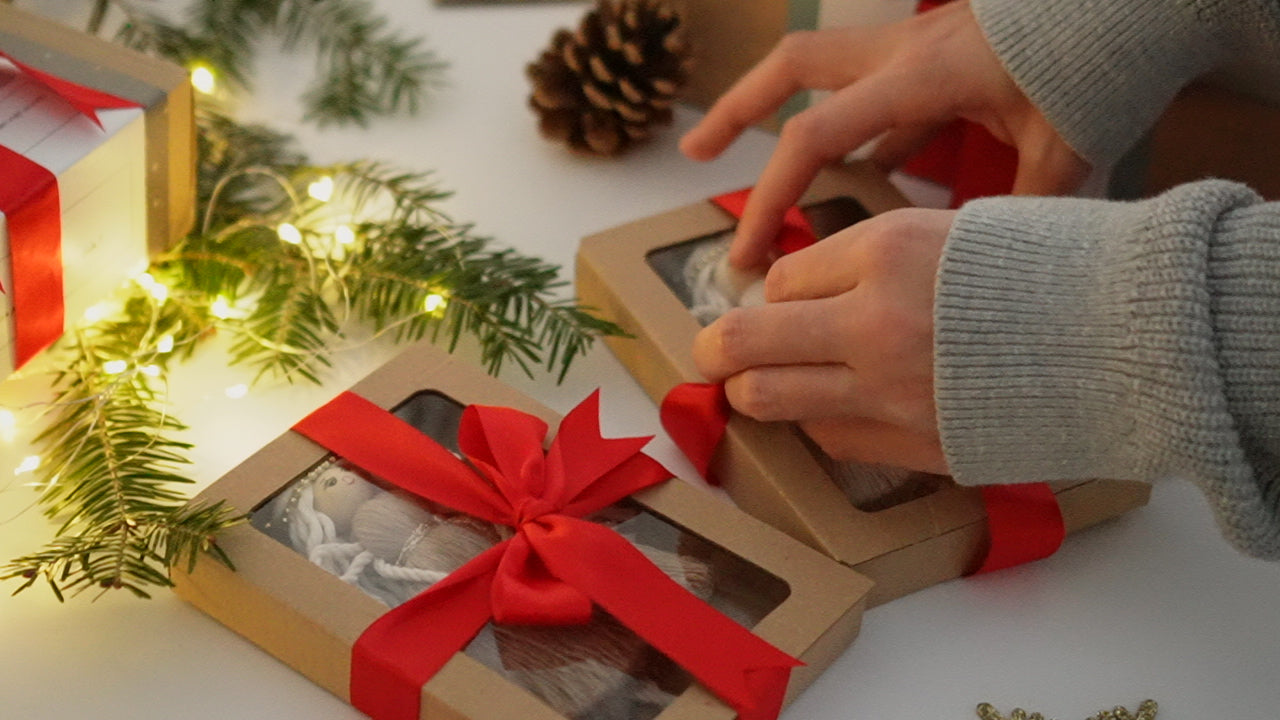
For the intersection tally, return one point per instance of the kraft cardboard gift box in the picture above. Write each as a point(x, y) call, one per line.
point(791, 596)
point(124, 180)
point(935, 533)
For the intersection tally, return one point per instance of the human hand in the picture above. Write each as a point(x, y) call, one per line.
point(902, 83)
point(844, 345)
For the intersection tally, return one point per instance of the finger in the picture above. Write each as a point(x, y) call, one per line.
point(895, 146)
point(824, 269)
point(892, 245)
point(872, 441)
point(813, 138)
point(803, 60)
point(771, 334)
point(1048, 166)
point(794, 392)
point(829, 390)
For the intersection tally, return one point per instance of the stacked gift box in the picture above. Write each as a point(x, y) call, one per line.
point(97, 151)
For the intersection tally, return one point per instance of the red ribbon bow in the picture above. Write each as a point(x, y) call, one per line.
point(554, 570)
point(32, 208)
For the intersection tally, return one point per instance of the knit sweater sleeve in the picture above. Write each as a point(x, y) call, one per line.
point(1082, 338)
point(1102, 71)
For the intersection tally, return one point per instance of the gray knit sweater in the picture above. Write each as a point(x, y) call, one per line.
point(1085, 338)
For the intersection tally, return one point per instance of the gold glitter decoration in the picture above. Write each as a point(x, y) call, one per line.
point(1146, 711)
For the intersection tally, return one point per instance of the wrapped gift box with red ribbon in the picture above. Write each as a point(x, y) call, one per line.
point(905, 531)
point(96, 171)
point(419, 548)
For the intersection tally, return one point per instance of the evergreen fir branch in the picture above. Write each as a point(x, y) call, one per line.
point(111, 479)
point(287, 334)
point(227, 189)
point(155, 35)
point(503, 299)
point(364, 69)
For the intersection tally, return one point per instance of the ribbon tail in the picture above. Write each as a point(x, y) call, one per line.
point(406, 646)
point(744, 671)
point(30, 202)
point(1025, 524)
point(695, 415)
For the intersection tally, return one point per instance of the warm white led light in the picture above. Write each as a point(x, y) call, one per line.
point(344, 235)
point(202, 79)
point(321, 189)
point(289, 233)
point(114, 367)
point(221, 308)
point(235, 392)
point(95, 313)
point(29, 463)
point(434, 302)
point(164, 344)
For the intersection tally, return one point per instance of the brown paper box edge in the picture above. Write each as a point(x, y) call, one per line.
point(160, 86)
point(763, 466)
point(310, 619)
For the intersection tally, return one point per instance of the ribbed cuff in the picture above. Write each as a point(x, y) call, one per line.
point(1082, 338)
point(1032, 342)
point(1102, 70)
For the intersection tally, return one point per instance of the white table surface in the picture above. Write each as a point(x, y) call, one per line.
point(1152, 605)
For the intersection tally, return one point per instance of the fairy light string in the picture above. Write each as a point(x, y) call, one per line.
point(285, 257)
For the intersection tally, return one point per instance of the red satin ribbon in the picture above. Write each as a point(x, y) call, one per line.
point(695, 416)
point(1023, 520)
point(33, 216)
point(555, 568)
point(1025, 523)
point(796, 232)
point(86, 100)
point(33, 219)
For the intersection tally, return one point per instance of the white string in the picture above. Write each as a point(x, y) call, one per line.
point(707, 301)
point(314, 534)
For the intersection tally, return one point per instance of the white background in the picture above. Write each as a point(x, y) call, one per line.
point(1152, 605)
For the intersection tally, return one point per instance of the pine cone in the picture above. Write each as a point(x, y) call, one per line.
point(603, 88)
